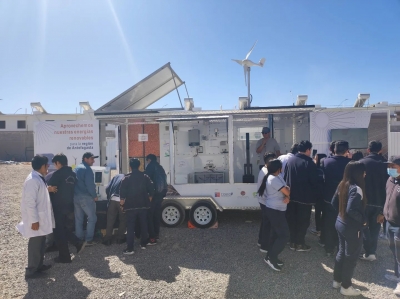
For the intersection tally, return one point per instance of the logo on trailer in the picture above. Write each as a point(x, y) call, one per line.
point(243, 193)
point(221, 194)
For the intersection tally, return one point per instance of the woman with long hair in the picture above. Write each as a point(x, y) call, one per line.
point(350, 201)
point(276, 194)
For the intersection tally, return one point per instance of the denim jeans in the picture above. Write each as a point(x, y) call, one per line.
point(154, 216)
point(85, 205)
point(393, 234)
point(371, 232)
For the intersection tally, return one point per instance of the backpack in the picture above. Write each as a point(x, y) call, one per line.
point(160, 179)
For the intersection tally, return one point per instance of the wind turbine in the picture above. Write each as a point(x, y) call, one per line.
point(247, 64)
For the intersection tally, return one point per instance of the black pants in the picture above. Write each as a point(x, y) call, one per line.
point(393, 234)
point(131, 216)
point(371, 232)
point(154, 215)
point(63, 233)
point(265, 229)
point(36, 249)
point(329, 234)
point(298, 217)
point(350, 243)
point(280, 232)
point(318, 215)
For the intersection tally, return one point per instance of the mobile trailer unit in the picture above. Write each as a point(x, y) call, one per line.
point(203, 152)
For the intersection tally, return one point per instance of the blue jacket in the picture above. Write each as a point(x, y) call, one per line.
point(114, 186)
point(85, 185)
point(355, 211)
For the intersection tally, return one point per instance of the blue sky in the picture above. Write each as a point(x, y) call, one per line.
point(61, 52)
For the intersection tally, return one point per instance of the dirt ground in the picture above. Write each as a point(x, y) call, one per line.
point(187, 263)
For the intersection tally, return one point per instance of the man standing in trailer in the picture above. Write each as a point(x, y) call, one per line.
point(302, 178)
point(375, 184)
point(85, 199)
point(267, 144)
point(37, 216)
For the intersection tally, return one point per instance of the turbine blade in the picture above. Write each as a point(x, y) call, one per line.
point(238, 61)
point(248, 54)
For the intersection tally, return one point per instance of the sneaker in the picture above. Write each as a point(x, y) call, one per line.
point(44, 268)
point(143, 247)
point(259, 244)
point(152, 242)
point(80, 247)
point(303, 247)
point(320, 243)
point(263, 250)
point(392, 277)
point(370, 258)
point(315, 232)
point(128, 252)
point(336, 285)
point(274, 266)
point(90, 243)
point(157, 238)
point(60, 261)
point(292, 246)
point(396, 291)
point(350, 291)
point(279, 262)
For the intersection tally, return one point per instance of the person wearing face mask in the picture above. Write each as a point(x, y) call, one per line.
point(391, 211)
point(375, 182)
point(302, 178)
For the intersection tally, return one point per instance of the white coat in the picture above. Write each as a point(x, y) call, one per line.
point(35, 207)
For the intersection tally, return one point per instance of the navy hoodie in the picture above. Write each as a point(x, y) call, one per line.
point(333, 168)
point(302, 178)
point(355, 211)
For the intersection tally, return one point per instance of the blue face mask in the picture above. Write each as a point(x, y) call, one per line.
point(393, 172)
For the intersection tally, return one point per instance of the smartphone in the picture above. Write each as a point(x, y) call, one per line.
point(314, 152)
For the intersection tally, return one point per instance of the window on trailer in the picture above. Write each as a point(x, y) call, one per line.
point(2, 124)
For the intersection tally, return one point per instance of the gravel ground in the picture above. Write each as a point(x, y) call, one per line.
point(213, 263)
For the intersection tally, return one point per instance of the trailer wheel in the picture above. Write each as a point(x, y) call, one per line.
point(172, 214)
point(203, 214)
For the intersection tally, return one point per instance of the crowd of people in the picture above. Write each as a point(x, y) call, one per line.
point(352, 195)
point(60, 208)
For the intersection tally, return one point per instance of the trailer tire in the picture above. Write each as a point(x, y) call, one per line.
point(172, 213)
point(203, 214)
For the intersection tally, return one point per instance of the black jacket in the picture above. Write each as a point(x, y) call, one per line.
point(156, 172)
point(64, 179)
point(114, 186)
point(375, 180)
point(333, 168)
point(136, 187)
point(391, 210)
point(301, 176)
point(355, 210)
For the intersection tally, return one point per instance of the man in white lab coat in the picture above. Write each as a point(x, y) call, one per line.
point(37, 216)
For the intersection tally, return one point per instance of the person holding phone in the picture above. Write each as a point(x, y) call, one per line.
point(276, 196)
point(350, 202)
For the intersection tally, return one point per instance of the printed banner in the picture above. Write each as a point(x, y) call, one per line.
point(72, 138)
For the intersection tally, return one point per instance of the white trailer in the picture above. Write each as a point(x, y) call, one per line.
point(203, 152)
